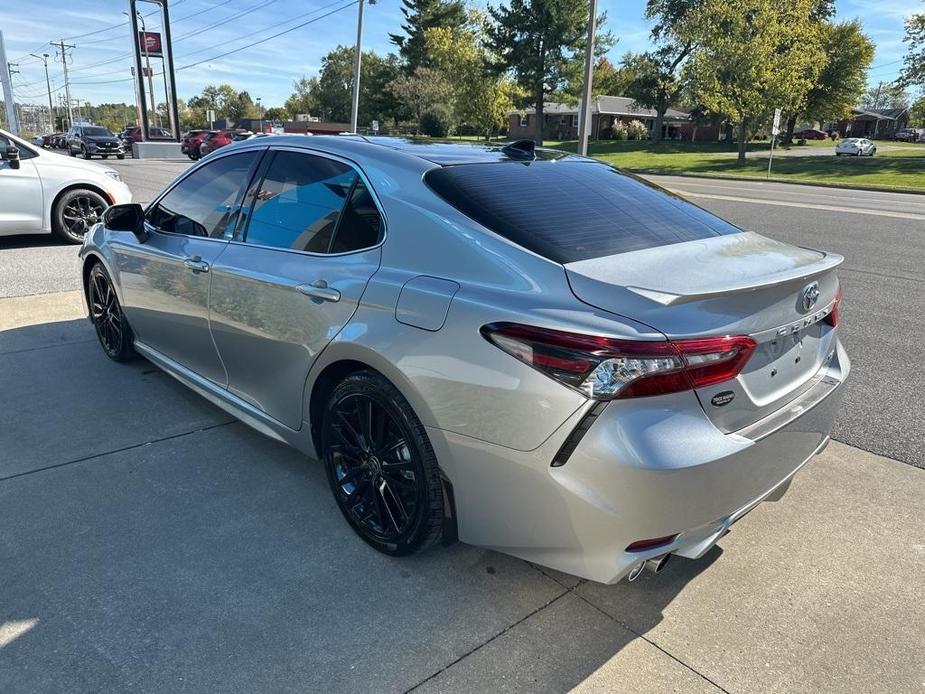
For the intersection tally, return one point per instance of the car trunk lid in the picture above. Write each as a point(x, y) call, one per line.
point(736, 284)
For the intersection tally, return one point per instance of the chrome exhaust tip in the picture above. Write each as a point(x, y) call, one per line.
point(656, 564)
point(635, 572)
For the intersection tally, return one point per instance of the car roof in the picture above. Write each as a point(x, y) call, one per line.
point(442, 153)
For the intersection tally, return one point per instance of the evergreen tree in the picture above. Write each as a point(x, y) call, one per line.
point(421, 15)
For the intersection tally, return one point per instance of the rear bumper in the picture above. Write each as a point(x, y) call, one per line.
point(647, 468)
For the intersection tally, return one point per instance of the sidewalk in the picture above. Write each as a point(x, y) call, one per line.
point(150, 543)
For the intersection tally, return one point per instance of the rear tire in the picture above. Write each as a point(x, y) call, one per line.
point(112, 329)
point(380, 465)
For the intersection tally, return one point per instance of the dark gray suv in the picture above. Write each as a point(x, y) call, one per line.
point(93, 140)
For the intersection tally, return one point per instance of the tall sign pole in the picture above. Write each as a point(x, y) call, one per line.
point(584, 124)
point(7, 89)
point(775, 131)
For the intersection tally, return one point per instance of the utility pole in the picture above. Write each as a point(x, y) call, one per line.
point(584, 126)
point(67, 87)
point(357, 59)
point(8, 99)
point(51, 109)
point(876, 106)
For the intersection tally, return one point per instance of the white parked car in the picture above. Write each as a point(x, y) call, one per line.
point(855, 147)
point(42, 191)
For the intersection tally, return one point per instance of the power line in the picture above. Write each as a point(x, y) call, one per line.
point(114, 26)
point(178, 19)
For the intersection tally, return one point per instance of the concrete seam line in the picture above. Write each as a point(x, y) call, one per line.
point(57, 344)
point(116, 450)
point(805, 206)
point(485, 643)
point(880, 274)
point(628, 628)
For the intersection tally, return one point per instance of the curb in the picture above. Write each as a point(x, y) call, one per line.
point(776, 179)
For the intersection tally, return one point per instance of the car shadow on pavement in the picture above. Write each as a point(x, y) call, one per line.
point(30, 241)
point(150, 542)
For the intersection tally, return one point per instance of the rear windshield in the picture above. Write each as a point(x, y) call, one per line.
point(572, 210)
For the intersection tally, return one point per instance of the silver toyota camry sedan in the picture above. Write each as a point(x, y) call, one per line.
point(509, 346)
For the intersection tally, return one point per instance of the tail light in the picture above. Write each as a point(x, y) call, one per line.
point(833, 317)
point(606, 368)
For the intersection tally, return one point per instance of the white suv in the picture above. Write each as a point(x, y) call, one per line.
point(43, 191)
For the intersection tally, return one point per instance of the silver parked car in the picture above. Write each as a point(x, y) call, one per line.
point(855, 147)
point(519, 348)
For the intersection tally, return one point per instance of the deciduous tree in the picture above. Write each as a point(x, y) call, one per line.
point(420, 16)
point(913, 72)
point(753, 56)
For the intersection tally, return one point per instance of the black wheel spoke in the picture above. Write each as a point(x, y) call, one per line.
point(377, 476)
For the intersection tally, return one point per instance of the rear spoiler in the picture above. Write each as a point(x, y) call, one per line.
point(828, 262)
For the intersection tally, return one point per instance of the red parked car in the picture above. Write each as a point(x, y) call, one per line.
point(217, 139)
point(811, 134)
point(191, 141)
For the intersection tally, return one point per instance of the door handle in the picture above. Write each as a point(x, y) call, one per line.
point(196, 264)
point(319, 291)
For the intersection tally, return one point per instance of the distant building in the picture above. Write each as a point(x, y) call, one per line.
point(560, 121)
point(874, 123)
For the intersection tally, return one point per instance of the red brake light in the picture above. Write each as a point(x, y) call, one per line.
point(833, 317)
point(607, 368)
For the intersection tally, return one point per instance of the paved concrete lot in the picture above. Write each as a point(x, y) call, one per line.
point(149, 543)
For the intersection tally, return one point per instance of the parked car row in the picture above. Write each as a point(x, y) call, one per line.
point(198, 143)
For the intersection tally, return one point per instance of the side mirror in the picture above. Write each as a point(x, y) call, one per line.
point(127, 217)
point(11, 154)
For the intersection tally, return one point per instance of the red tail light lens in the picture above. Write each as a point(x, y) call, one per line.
point(834, 315)
point(605, 368)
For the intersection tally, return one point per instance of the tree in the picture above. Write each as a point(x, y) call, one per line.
point(223, 99)
point(657, 82)
point(420, 16)
point(304, 97)
point(423, 91)
point(276, 113)
point(913, 72)
point(917, 113)
point(539, 40)
point(841, 83)
point(753, 56)
point(885, 95)
point(480, 97)
point(334, 90)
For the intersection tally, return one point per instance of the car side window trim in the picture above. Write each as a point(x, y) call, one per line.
point(241, 234)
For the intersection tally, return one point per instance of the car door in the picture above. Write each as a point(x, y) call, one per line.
point(308, 241)
point(22, 200)
point(165, 280)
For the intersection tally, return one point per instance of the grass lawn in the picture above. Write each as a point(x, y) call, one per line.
point(902, 168)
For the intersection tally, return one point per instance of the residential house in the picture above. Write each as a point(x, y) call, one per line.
point(874, 123)
point(561, 120)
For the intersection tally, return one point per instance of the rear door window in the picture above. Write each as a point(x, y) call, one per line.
point(314, 204)
point(572, 210)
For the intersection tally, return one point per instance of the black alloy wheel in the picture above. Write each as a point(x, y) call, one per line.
point(380, 465)
point(76, 212)
point(112, 329)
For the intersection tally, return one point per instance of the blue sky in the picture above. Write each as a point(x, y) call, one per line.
point(268, 70)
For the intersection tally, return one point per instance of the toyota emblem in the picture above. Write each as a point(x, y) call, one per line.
point(809, 296)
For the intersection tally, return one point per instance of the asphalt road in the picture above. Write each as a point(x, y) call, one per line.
point(881, 235)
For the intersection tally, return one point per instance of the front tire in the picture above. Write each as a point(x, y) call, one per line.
point(84, 153)
point(112, 329)
point(120, 157)
point(75, 212)
point(380, 465)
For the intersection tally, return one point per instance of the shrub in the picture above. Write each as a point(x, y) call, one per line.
point(618, 132)
point(636, 130)
point(435, 124)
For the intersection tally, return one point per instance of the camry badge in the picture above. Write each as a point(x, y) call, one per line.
point(809, 296)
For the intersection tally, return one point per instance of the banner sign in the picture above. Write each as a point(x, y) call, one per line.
point(150, 42)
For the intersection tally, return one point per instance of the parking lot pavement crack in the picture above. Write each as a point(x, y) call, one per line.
point(102, 454)
point(489, 640)
point(51, 346)
point(629, 628)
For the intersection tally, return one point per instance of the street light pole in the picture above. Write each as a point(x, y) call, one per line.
point(51, 109)
point(260, 112)
point(585, 125)
point(357, 59)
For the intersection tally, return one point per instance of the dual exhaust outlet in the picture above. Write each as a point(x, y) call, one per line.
point(655, 565)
